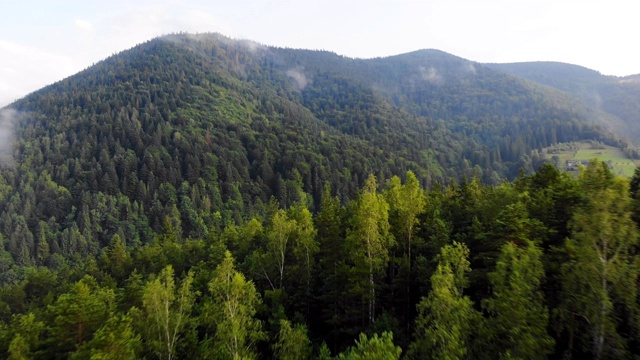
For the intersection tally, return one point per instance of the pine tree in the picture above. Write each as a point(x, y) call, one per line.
point(78, 314)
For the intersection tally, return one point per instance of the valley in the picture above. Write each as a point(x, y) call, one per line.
point(568, 156)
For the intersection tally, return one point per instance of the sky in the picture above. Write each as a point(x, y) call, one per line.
point(43, 41)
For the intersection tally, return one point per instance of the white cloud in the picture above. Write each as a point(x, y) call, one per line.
point(26, 69)
point(84, 25)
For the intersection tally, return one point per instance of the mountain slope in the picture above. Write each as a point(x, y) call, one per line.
point(619, 97)
point(199, 131)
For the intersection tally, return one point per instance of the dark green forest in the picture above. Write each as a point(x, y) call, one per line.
point(202, 197)
point(542, 267)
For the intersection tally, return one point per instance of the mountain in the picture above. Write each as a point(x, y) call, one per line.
point(204, 130)
point(617, 96)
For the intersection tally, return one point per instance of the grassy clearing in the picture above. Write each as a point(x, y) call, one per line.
point(585, 151)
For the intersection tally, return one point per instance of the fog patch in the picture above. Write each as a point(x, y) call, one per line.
point(298, 77)
point(431, 75)
point(469, 68)
point(252, 46)
point(8, 118)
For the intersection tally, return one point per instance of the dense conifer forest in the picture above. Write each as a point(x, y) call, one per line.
point(201, 197)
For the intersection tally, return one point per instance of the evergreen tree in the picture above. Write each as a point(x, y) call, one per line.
point(77, 315)
point(332, 273)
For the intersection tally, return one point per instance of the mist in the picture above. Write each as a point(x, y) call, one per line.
point(8, 118)
point(299, 78)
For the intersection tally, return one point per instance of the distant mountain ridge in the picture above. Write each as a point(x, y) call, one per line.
point(616, 96)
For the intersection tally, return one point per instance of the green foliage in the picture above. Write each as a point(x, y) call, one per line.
point(207, 136)
point(134, 177)
point(26, 332)
point(293, 343)
point(374, 348)
point(115, 340)
point(19, 349)
point(168, 310)
point(615, 100)
point(446, 317)
point(602, 267)
point(370, 242)
point(518, 317)
point(77, 315)
point(231, 311)
point(481, 246)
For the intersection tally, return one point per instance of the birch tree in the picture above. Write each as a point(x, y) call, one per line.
point(602, 267)
point(370, 240)
point(293, 342)
point(231, 311)
point(519, 318)
point(168, 310)
point(446, 316)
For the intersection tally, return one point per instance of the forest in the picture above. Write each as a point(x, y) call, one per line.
point(545, 266)
point(200, 197)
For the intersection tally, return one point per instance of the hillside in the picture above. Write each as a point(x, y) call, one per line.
point(207, 130)
point(616, 96)
point(199, 197)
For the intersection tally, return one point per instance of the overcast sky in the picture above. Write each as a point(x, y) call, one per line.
point(42, 42)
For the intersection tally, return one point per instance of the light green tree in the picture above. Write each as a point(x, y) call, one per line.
point(370, 241)
point(406, 202)
point(26, 331)
point(78, 314)
point(231, 311)
point(279, 233)
point(168, 310)
point(116, 340)
point(305, 247)
point(19, 349)
point(602, 268)
point(374, 348)
point(446, 317)
point(519, 318)
point(293, 342)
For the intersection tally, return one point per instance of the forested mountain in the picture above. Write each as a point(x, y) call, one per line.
point(208, 129)
point(617, 96)
point(202, 197)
